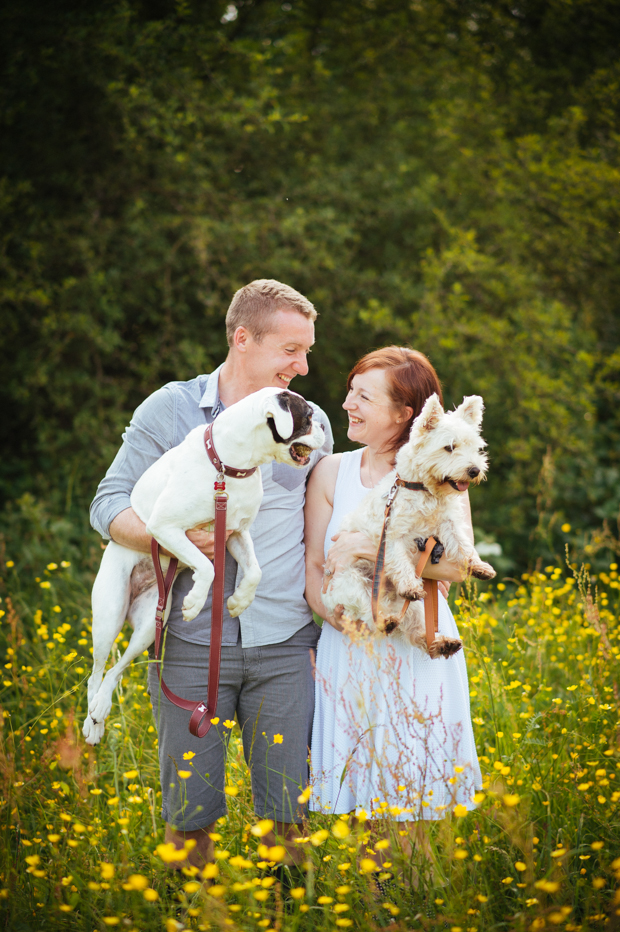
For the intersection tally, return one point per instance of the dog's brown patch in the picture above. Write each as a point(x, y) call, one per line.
point(142, 578)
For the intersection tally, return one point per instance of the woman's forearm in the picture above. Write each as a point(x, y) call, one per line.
point(314, 587)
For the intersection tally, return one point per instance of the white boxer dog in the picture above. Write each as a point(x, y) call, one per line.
point(176, 494)
point(444, 453)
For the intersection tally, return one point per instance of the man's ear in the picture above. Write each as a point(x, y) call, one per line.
point(428, 417)
point(278, 408)
point(471, 409)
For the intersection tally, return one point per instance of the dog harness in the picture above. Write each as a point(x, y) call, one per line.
point(431, 601)
point(201, 715)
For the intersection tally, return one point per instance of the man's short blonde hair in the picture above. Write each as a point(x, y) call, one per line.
point(254, 306)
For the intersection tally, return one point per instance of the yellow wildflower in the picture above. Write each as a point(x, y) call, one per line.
point(319, 837)
point(261, 828)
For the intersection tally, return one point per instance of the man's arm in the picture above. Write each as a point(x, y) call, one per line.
point(150, 433)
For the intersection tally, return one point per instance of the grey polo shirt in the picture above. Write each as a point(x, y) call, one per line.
point(279, 611)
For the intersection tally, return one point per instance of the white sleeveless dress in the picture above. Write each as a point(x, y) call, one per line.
point(392, 730)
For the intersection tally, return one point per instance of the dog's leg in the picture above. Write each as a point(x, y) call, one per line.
point(241, 547)
point(350, 588)
point(142, 617)
point(175, 540)
point(460, 550)
point(110, 601)
point(401, 570)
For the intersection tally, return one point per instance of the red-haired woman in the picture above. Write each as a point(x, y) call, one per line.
point(392, 734)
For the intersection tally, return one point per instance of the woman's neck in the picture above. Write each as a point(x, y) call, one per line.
point(376, 465)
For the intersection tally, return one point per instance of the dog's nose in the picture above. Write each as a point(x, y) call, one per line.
point(473, 471)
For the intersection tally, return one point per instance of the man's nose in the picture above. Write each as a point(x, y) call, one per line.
point(301, 365)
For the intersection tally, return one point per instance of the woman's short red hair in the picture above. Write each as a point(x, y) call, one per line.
point(410, 376)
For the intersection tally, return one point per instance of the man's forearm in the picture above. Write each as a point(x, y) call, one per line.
point(130, 531)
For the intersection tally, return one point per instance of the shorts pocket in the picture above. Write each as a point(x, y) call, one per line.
point(287, 476)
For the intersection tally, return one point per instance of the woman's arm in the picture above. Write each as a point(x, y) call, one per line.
point(318, 512)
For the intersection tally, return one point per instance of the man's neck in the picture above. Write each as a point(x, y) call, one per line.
point(233, 385)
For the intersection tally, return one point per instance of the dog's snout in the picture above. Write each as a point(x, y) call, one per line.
point(473, 471)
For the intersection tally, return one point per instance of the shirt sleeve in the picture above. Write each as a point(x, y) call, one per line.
point(150, 433)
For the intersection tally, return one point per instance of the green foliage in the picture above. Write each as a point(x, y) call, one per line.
point(442, 174)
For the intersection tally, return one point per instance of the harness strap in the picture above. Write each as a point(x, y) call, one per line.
point(431, 602)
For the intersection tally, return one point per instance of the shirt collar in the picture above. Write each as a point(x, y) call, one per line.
point(211, 394)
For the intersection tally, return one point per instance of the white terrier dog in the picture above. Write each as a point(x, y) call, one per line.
point(444, 453)
point(176, 494)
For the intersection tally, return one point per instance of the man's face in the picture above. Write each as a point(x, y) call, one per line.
point(281, 354)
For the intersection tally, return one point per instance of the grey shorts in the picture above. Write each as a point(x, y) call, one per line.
point(269, 689)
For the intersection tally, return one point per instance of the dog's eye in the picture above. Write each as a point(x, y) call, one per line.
point(481, 450)
point(450, 449)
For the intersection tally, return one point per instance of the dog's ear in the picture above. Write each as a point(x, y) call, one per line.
point(429, 417)
point(278, 408)
point(471, 409)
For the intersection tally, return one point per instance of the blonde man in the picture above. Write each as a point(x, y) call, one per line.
point(266, 672)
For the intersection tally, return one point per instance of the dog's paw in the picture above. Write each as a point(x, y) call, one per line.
point(482, 571)
point(99, 710)
point(412, 594)
point(237, 604)
point(92, 731)
point(444, 647)
point(389, 624)
point(194, 602)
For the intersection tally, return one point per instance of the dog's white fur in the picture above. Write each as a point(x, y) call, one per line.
point(441, 446)
point(175, 494)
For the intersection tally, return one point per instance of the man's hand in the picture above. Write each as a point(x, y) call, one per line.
point(203, 540)
point(444, 587)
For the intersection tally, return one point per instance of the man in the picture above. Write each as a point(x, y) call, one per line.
point(266, 671)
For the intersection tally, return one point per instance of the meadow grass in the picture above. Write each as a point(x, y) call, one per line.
point(82, 839)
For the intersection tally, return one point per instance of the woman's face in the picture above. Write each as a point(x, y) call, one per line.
point(373, 419)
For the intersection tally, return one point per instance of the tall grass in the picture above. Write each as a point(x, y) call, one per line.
point(82, 841)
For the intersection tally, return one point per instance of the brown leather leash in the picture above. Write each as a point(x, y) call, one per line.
point(431, 602)
point(200, 719)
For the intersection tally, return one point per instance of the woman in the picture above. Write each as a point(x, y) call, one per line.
point(392, 732)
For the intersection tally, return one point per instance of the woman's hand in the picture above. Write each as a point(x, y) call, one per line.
point(334, 618)
point(348, 547)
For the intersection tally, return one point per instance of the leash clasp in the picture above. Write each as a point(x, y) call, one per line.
point(220, 486)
